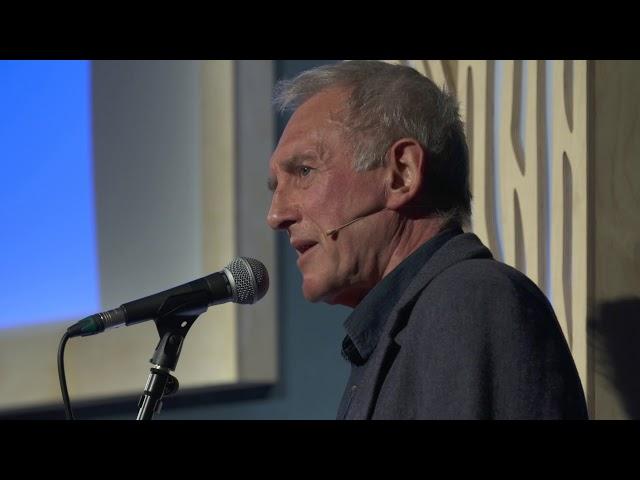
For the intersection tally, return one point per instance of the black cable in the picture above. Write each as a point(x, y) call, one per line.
point(63, 379)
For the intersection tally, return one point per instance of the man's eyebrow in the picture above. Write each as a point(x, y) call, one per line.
point(296, 160)
point(288, 165)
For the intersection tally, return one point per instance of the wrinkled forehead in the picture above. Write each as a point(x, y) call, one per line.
point(314, 128)
point(328, 104)
point(324, 110)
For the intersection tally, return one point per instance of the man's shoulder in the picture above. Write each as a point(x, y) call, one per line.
point(478, 277)
point(465, 261)
point(481, 295)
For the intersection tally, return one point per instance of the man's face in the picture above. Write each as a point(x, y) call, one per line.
point(316, 189)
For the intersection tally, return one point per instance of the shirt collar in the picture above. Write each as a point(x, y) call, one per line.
point(364, 324)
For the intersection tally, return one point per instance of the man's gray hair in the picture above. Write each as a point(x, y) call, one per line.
point(389, 102)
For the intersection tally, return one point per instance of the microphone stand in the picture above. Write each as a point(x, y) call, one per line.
point(175, 318)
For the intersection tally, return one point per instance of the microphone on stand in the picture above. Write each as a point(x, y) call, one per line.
point(245, 281)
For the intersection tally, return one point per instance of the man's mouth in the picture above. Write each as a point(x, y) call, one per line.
point(303, 246)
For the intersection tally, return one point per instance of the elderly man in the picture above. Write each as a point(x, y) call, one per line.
point(370, 181)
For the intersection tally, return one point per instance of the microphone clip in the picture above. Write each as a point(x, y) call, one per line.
point(176, 316)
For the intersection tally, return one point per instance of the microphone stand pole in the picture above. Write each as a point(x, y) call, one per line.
point(173, 322)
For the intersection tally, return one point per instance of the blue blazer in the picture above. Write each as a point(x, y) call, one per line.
point(470, 338)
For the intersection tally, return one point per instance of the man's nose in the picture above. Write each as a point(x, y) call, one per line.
point(282, 212)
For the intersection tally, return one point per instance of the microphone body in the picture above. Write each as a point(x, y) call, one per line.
point(244, 280)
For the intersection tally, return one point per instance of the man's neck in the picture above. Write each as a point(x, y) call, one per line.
point(413, 234)
point(409, 235)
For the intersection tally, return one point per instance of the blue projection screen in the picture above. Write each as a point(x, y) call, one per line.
point(48, 251)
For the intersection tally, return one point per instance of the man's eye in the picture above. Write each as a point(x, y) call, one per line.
point(304, 171)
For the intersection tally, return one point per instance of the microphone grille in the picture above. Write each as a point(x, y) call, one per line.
point(250, 277)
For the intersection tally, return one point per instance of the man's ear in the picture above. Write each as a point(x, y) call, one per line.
point(406, 162)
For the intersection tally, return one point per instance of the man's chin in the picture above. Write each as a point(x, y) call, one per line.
point(311, 294)
point(314, 291)
point(314, 294)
